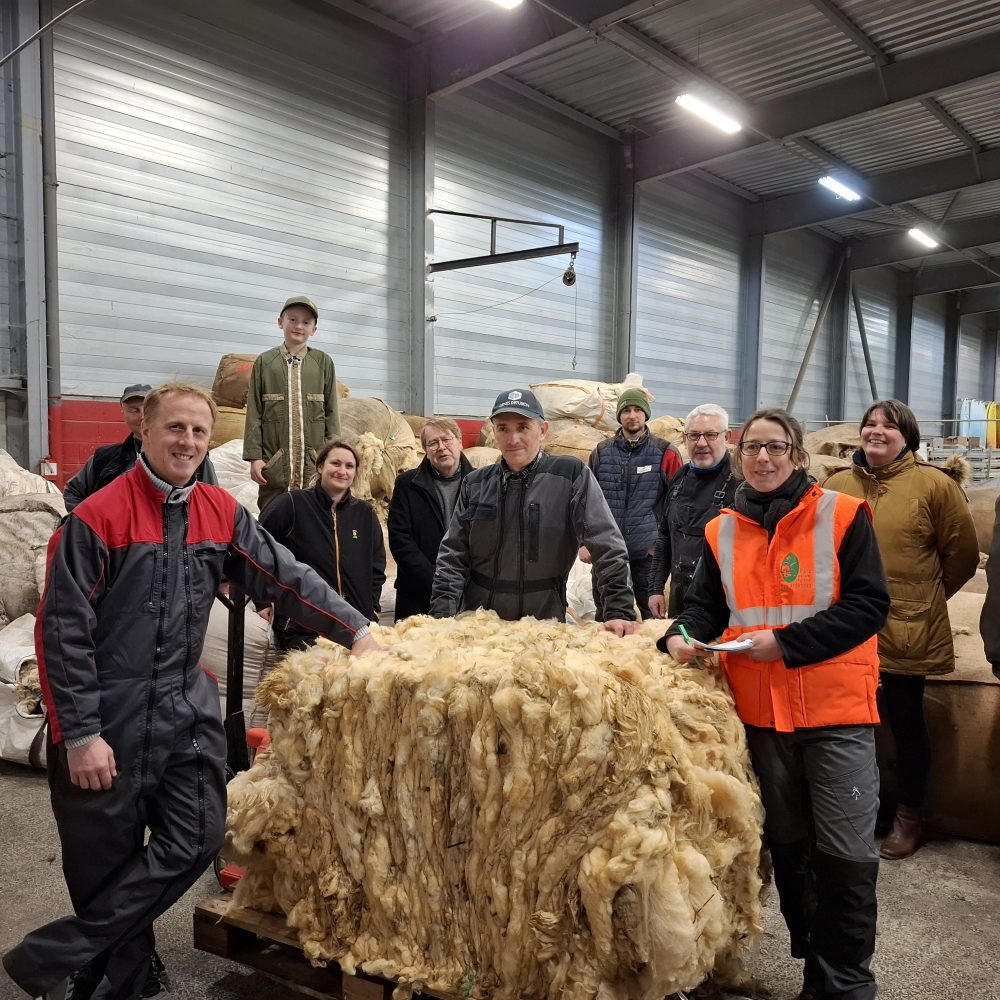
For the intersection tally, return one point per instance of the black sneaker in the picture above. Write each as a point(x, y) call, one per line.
point(157, 980)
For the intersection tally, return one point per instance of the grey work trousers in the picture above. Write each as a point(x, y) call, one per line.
point(820, 793)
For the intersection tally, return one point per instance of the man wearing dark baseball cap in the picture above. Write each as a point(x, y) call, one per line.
point(518, 524)
point(110, 460)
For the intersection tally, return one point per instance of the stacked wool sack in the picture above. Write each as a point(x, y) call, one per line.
point(386, 446)
point(505, 809)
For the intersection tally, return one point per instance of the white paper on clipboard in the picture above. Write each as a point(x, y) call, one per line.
point(733, 646)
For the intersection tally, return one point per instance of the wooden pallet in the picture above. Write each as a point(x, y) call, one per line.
point(265, 943)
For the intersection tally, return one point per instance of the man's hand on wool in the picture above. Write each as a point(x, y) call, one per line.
point(92, 766)
point(620, 627)
point(366, 644)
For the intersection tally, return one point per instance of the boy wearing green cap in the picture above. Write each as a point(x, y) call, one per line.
point(633, 469)
point(291, 405)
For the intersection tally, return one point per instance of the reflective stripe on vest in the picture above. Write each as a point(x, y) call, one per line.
point(824, 560)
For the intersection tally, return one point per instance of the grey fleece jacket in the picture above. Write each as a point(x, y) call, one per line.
point(513, 538)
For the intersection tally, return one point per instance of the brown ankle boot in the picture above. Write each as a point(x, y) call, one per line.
point(904, 837)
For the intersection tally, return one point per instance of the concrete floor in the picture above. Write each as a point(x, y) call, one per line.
point(939, 926)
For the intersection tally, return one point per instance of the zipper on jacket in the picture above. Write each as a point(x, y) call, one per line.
point(199, 757)
point(160, 637)
point(336, 550)
point(501, 531)
point(520, 551)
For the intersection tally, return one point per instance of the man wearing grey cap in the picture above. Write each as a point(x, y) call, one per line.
point(517, 526)
point(291, 405)
point(109, 461)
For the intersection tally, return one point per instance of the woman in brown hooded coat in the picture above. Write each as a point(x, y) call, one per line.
point(928, 543)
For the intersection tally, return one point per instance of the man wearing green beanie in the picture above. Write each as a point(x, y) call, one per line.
point(633, 469)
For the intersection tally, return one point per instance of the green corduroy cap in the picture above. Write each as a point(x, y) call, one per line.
point(633, 397)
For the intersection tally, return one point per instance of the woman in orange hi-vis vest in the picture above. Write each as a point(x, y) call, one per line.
point(794, 572)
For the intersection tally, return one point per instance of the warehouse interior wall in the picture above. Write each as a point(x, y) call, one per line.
point(797, 275)
point(687, 295)
point(926, 353)
point(518, 323)
point(973, 347)
point(10, 440)
point(214, 159)
point(876, 293)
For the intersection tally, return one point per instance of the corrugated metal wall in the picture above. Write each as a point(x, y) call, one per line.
point(926, 354)
point(687, 304)
point(213, 160)
point(796, 278)
point(877, 295)
point(8, 199)
point(513, 324)
point(971, 347)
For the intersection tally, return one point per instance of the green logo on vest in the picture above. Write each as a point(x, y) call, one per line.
point(790, 568)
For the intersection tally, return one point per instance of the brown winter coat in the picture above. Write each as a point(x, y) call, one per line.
point(928, 543)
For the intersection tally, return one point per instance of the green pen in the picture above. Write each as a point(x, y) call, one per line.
point(687, 639)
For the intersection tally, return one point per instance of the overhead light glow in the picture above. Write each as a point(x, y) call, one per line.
point(921, 237)
point(508, 4)
point(705, 111)
point(840, 190)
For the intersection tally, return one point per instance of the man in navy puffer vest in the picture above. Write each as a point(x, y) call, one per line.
point(633, 469)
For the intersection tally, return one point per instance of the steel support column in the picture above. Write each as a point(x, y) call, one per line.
point(421, 126)
point(949, 366)
point(748, 332)
point(840, 345)
point(627, 237)
point(988, 384)
point(28, 171)
point(904, 336)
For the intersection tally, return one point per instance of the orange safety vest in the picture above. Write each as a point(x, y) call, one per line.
point(769, 586)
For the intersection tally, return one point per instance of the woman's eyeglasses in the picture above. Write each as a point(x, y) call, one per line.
point(774, 448)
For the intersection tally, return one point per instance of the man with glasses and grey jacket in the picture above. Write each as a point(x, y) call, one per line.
point(517, 526)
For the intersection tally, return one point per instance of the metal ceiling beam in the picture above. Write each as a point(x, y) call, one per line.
point(816, 206)
point(531, 94)
point(882, 250)
point(677, 150)
point(847, 27)
point(672, 64)
point(503, 40)
point(955, 277)
point(363, 13)
point(951, 124)
point(981, 300)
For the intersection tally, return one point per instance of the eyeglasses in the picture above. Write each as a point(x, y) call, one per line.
point(441, 442)
point(710, 436)
point(774, 448)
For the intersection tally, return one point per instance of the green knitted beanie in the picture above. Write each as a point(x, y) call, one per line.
point(633, 397)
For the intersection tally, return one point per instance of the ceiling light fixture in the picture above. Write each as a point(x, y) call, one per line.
point(508, 4)
point(705, 111)
point(840, 190)
point(921, 237)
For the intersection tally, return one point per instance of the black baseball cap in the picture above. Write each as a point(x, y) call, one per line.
point(137, 391)
point(521, 401)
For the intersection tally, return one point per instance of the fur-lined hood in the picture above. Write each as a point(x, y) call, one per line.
point(957, 467)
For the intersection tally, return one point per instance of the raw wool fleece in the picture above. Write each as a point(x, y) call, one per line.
point(372, 424)
point(505, 809)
